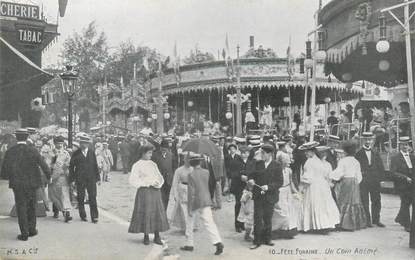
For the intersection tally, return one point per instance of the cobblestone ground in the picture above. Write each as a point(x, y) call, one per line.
point(109, 239)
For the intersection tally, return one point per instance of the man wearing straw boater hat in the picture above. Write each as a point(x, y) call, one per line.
point(200, 203)
point(21, 167)
point(372, 171)
point(83, 170)
point(402, 168)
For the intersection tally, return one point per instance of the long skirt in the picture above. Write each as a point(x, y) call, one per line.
point(318, 211)
point(285, 211)
point(59, 194)
point(149, 215)
point(352, 213)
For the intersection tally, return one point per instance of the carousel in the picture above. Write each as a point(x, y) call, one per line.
point(272, 90)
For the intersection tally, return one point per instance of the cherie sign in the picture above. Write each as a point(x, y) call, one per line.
point(19, 10)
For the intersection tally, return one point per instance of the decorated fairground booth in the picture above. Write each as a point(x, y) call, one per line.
point(368, 41)
point(25, 33)
point(204, 92)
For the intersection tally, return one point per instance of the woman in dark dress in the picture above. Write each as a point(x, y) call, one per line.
point(149, 215)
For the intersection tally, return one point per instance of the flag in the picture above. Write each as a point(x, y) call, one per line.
point(176, 64)
point(228, 59)
point(290, 60)
point(62, 7)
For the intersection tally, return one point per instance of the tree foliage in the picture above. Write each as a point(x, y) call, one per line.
point(88, 52)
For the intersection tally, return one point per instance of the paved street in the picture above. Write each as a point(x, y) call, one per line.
point(109, 238)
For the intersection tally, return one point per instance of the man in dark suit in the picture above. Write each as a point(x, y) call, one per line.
point(125, 155)
point(164, 160)
point(21, 167)
point(402, 168)
point(234, 167)
point(83, 169)
point(266, 181)
point(372, 170)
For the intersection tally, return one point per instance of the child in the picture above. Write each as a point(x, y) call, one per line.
point(246, 215)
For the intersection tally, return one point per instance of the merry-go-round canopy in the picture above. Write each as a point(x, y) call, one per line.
point(264, 74)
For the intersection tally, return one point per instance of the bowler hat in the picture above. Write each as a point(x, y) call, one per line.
point(268, 148)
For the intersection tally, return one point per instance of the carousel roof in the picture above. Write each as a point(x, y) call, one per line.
point(255, 73)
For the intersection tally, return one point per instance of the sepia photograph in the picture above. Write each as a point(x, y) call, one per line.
point(207, 129)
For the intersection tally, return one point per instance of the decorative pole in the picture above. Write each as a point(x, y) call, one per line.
point(238, 96)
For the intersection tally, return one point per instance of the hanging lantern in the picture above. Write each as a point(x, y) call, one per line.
point(286, 99)
point(154, 116)
point(228, 114)
point(384, 65)
point(190, 103)
point(248, 104)
point(347, 76)
point(308, 63)
point(383, 45)
point(349, 85)
point(327, 100)
point(302, 65)
point(149, 119)
point(321, 53)
point(308, 49)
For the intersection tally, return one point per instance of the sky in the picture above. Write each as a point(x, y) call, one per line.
point(190, 23)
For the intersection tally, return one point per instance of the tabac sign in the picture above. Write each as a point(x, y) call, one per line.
point(21, 11)
point(29, 35)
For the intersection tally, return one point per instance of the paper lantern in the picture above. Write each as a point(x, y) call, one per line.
point(347, 76)
point(149, 119)
point(190, 103)
point(286, 99)
point(327, 100)
point(382, 46)
point(228, 115)
point(384, 65)
point(308, 63)
point(154, 116)
point(166, 116)
point(320, 55)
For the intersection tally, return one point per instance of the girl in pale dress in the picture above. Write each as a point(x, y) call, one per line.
point(285, 218)
point(318, 211)
point(149, 215)
point(349, 175)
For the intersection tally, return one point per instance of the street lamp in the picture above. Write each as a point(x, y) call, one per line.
point(69, 79)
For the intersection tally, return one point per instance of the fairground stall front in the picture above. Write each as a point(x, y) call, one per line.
point(367, 41)
point(202, 93)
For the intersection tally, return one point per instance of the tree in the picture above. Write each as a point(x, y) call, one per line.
point(88, 52)
point(121, 63)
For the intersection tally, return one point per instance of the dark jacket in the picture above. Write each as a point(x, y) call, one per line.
point(399, 170)
point(21, 167)
point(271, 176)
point(234, 166)
point(373, 173)
point(83, 169)
point(165, 165)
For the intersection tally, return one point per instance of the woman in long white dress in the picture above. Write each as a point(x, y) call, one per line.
point(349, 175)
point(285, 218)
point(318, 211)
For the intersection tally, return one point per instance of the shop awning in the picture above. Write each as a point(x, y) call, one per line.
point(17, 69)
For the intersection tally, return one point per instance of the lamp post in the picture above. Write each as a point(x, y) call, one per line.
point(69, 79)
point(102, 91)
point(318, 55)
point(383, 46)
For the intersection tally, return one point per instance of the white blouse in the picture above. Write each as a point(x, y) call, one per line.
point(347, 167)
point(145, 173)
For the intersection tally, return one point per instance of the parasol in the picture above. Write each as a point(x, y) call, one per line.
point(202, 146)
